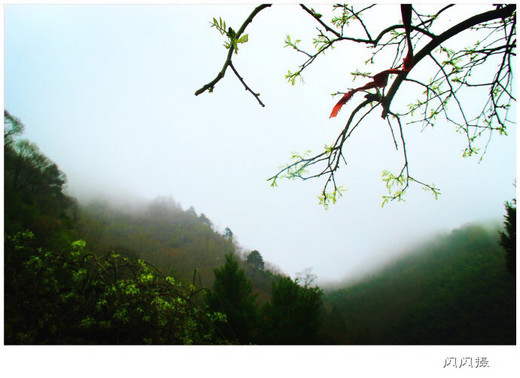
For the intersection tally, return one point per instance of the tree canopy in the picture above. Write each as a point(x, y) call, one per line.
point(293, 314)
point(255, 259)
point(459, 72)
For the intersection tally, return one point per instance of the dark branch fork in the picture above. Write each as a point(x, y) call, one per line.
point(499, 13)
point(209, 86)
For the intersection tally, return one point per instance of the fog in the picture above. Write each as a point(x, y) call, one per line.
point(412, 249)
point(107, 92)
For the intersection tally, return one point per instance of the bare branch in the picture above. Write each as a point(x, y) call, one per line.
point(318, 18)
point(257, 95)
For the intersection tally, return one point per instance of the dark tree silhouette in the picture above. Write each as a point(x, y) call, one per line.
point(508, 236)
point(293, 314)
point(228, 234)
point(232, 296)
point(256, 260)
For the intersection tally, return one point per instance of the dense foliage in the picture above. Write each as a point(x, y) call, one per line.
point(76, 297)
point(256, 260)
point(293, 315)
point(33, 190)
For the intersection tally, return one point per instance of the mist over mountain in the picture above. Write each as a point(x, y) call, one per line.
point(453, 289)
point(131, 271)
point(405, 252)
point(161, 232)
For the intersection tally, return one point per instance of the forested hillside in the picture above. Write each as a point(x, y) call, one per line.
point(56, 291)
point(176, 241)
point(454, 290)
point(153, 273)
point(157, 274)
point(162, 233)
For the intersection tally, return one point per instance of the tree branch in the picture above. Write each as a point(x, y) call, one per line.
point(227, 63)
point(313, 14)
point(257, 95)
point(452, 76)
point(503, 12)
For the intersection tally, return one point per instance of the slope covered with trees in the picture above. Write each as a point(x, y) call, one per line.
point(161, 232)
point(57, 291)
point(96, 274)
point(454, 290)
point(33, 190)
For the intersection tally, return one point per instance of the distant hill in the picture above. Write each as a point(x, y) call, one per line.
point(176, 241)
point(454, 290)
point(161, 232)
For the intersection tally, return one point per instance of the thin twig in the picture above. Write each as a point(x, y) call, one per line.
point(313, 14)
point(257, 95)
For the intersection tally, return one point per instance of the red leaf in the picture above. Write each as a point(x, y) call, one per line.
point(347, 96)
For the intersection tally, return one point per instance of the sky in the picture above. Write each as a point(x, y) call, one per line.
point(107, 92)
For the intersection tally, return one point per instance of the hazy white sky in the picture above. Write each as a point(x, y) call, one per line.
point(107, 92)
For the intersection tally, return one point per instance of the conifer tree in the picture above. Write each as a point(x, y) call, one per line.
point(232, 295)
point(508, 237)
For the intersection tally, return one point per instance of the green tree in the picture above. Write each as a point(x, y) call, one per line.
point(293, 314)
point(508, 237)
point(12, 128)
point(33, 190)
point(228, 234)
point(232, 296)
point(436, 68)
point(255, 259)
point(204, 219)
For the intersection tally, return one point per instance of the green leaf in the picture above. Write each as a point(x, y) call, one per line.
point(243, 39)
